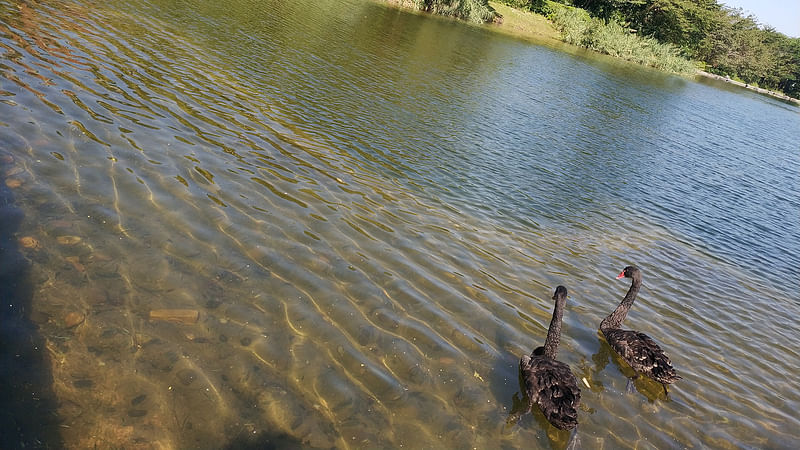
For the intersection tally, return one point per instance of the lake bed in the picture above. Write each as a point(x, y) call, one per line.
point(369, 210)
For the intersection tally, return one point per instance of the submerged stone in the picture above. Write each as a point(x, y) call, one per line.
point(83, 383)
point(137, 412)
point(73, 319)
point(30, 242)
point(68, 240)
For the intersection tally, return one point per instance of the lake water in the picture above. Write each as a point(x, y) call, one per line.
point(370, 210)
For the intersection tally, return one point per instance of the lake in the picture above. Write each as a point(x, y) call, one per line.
point(365, 212)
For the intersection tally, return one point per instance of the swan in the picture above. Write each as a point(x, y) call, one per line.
point(549, 383)
point(637, 348)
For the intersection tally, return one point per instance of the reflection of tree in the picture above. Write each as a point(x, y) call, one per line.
point(727, 39)
point(33, 25)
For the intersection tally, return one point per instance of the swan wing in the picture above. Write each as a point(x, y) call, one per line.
point(642, 354)
point(551, 385)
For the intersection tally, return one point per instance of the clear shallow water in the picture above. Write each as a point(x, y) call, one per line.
point(370, 210)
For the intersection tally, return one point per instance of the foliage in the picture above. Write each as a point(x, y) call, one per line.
point(578, 28)
point(527, 5)
point(661, 33)
point(473, 10)
point(724, 39)
point(738, 47)
point(789, 66)
point(683, 23)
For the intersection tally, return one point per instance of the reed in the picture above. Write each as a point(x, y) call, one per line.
point(477, 11)
point(578, 28)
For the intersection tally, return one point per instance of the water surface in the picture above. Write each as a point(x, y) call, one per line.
point(370, 209)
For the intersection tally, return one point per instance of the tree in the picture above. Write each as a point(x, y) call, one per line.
point(727, 40)
point(736, 47)
point(788, 64)
point(683, 23)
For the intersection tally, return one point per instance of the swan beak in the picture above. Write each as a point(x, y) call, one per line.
point(621, 275)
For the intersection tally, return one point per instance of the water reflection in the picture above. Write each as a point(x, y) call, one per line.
point(367, 222)
point(520, 409)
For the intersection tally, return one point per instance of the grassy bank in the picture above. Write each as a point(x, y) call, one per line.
point(553, 21)
point(565, 23)
point(610, 38)
point(575, 26)
point(524, 23)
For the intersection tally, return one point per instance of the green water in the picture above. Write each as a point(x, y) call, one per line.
point(370, 209)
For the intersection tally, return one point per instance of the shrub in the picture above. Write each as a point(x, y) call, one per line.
point(472, 10)
point(578, 28)
point(528, 5)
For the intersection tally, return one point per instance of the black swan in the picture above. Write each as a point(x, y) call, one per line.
point(549, 383)
point(636, 348)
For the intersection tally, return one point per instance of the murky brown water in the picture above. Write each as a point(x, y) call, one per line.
point(369, 211)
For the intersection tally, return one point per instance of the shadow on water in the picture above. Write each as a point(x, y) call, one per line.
point(519, 409)
point(28, 416)
point(521, 413)
point(264, 441)
point(650, 389)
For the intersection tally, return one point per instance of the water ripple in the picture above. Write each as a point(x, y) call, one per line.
point(371, 228)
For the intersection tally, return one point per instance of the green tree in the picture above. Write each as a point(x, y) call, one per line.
point(786, 74)
point(610, 10)
point(735, 47)
point(725, 39)
point(683, 23)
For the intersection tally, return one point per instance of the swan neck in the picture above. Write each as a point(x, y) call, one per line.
point(554, 332)
point(614, 320)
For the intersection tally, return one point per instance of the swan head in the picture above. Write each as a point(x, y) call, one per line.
point(630, 272)
point(561, 291)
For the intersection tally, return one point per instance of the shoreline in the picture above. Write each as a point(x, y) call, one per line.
point(534, 26)
point(778, 95)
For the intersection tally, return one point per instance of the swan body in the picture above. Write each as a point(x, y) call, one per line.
point(636, 348)
point(550, 384)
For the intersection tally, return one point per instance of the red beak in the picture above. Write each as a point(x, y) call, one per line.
point(621, 275)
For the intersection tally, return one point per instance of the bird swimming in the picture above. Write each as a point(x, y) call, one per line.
point(549, 383)
point(634, 347)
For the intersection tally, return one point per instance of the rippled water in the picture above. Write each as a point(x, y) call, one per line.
point(370, 210)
